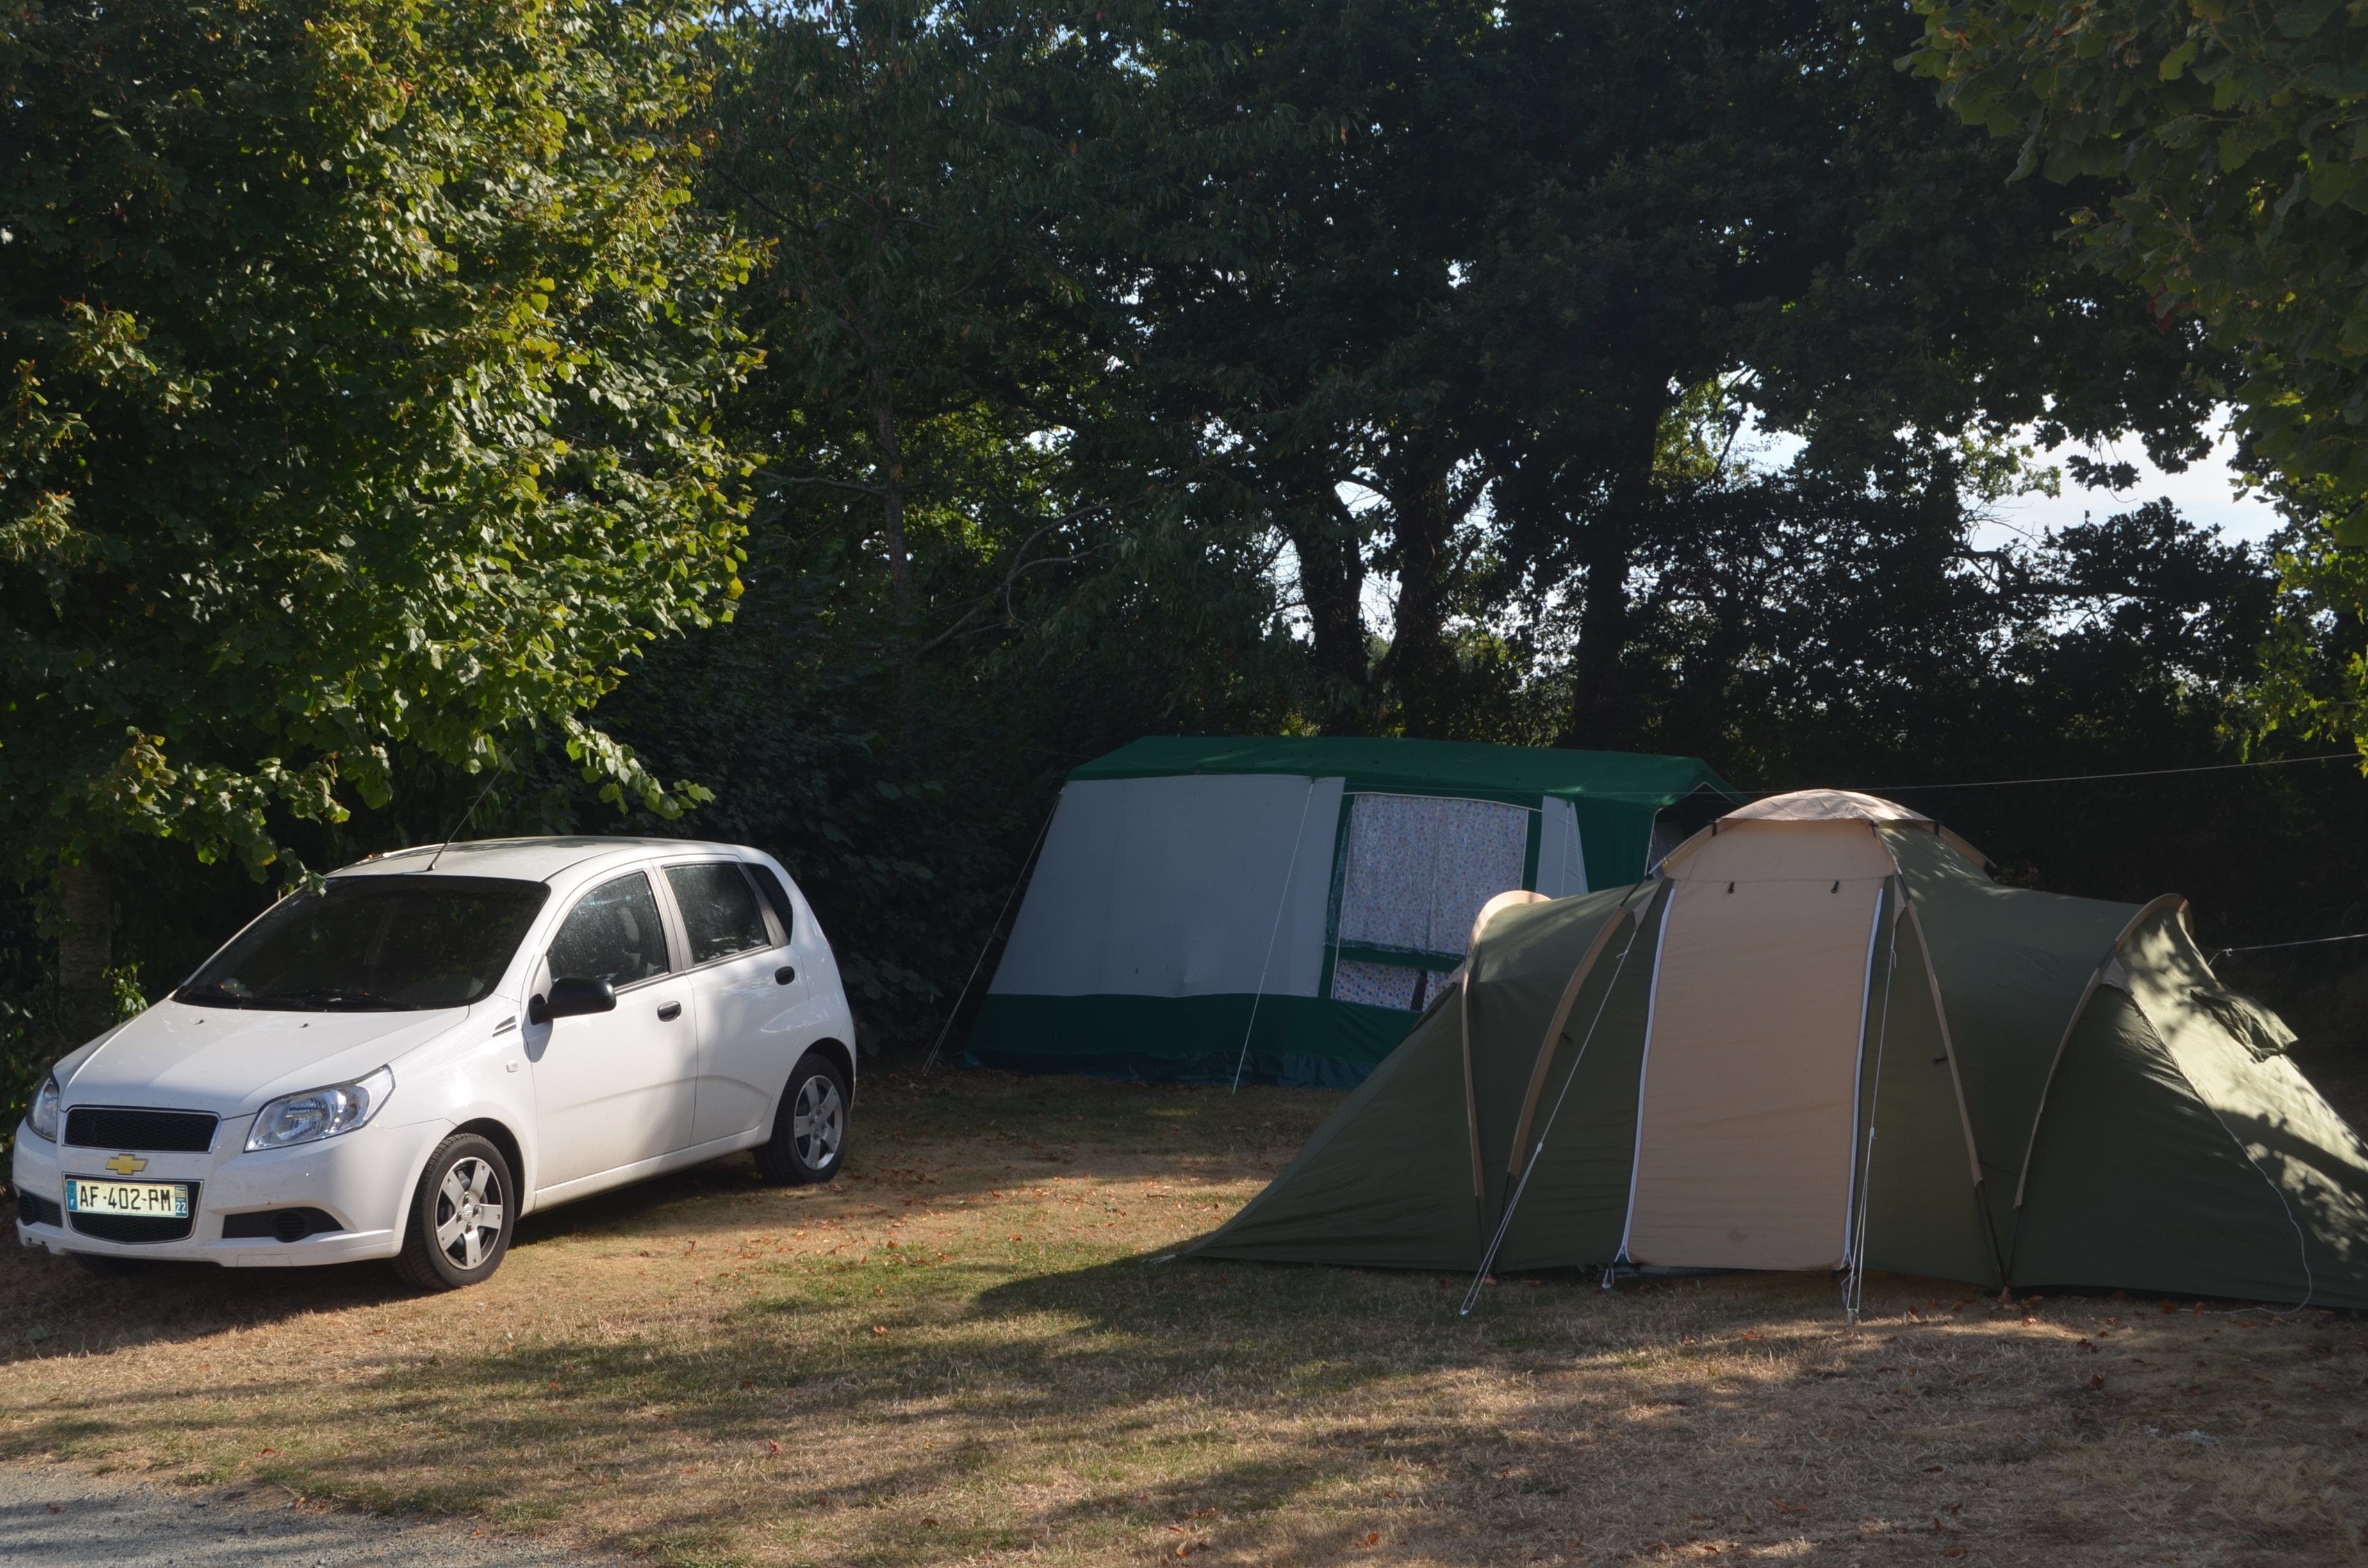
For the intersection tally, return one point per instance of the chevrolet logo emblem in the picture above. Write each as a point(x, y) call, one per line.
point(127, 1165)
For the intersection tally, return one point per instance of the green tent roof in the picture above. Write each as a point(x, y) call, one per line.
point(1383, 763)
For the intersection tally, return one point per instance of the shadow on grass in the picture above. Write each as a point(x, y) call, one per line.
point(899, 1413)
point(950, 1138)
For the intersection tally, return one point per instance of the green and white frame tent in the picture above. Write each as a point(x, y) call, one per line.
point(1824, 1037)
point(1286, 907)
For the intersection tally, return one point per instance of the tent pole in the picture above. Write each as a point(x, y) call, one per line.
point(1854, 1293)
point(1504, 1228)
point(1554, 1026)
point(2031, 1146)
point(955, 1011)
point(1281, 904)
point(1956, 1084)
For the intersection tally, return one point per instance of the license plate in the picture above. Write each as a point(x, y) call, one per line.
point(158, 1199)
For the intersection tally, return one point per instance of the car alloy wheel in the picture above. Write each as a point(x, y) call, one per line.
point(461, 1217)
point(818, 1124)
point(810, 1127)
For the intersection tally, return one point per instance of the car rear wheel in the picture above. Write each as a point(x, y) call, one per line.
point(461, 1217)
point(810, 1127)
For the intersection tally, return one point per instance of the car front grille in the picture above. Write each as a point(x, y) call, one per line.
point(157, 1132)
point(34, 1210)
point(138, 1227)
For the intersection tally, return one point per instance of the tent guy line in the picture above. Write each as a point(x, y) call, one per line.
point(2304, 942)
point(955, 1011)
point(1283, 903)
point(1481, 1276)
point(2094, 777)
point(1748, 796)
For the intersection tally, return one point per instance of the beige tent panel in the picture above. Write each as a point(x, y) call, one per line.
point(1822, 805)
point(1748, 1110)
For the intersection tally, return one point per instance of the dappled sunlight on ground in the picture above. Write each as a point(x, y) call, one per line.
point(964, 1350)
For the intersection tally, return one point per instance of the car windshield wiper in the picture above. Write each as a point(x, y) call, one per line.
point(332, 999)
point(213, 997)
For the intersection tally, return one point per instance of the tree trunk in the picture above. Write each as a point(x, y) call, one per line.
point(1419, 666)
point(1329, 546)
point(892, 495)
point(85, 949)
point(1600, 717)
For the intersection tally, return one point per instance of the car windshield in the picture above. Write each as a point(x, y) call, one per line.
point(373, 944)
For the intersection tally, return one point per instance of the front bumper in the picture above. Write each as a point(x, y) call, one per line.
point(363, 1180)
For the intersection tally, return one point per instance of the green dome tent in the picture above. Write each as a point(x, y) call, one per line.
point(1280, 910)
point(1822, 1037)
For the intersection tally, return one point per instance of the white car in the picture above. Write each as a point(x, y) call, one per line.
point(441, 1041)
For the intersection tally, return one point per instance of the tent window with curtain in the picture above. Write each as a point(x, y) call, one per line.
point(1418, 869)
point(1382, 984)
point(1285, 908)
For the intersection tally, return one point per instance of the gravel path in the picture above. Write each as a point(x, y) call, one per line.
point(51, 1517)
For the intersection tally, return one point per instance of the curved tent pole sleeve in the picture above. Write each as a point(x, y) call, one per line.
point(2039, 1114)
point(1467, 973)
point(1887, 917)
point(1948, 1046)
point(1644, 1073)
point(2244, 1150)
point(1861, 1195)
point(1956, 1083)
point(1603, 935)
point(1513, 1202)
point(2302, 1237)
point(1471, 1096)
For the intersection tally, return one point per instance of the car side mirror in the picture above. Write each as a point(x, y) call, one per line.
point(573, 998)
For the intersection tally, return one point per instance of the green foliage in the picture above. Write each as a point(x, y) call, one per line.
point(29, 1028)
point(386, 378)
point(953, 596)
point(1464, 262)
point(2231, 139)
point(365, 358)
point(885, 150)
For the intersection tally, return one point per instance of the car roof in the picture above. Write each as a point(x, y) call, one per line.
point(528, 860)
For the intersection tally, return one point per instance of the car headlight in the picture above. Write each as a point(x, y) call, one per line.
point(44, 1117)
point(321, 1113)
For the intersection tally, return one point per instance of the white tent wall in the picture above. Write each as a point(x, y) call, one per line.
point(1192, 886)
point(1562, 861)
point(1747, 1103)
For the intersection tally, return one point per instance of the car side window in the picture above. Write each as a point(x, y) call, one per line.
point(718, 911)
point(612, 934)
point(775, 894)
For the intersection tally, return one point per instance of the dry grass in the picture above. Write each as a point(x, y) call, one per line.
point(961, 1353)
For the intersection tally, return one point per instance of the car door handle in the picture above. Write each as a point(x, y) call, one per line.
point(784, 974)
point(668, 1012)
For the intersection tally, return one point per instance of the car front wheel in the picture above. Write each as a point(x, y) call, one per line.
point(461, 1217)
point(809, 1127)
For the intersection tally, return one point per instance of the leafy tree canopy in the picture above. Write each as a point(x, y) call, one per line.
point(2233, 141)
point(365, 355)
